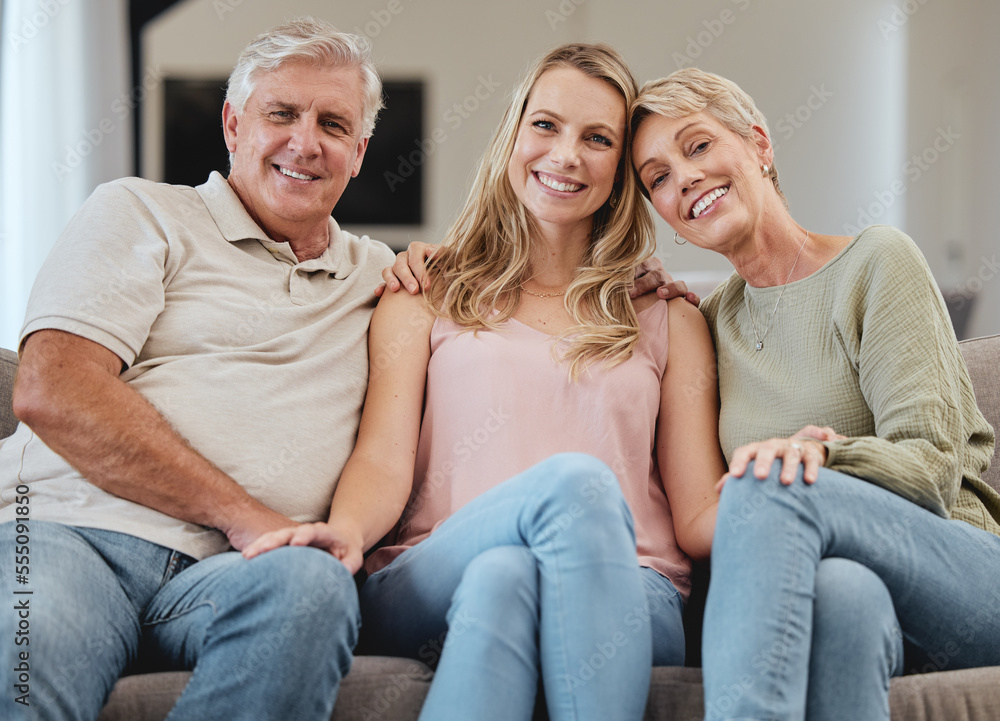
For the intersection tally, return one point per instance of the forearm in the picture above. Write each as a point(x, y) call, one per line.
point(370, 498)
point(696, 538)
point(914, 469)
point(119, 442)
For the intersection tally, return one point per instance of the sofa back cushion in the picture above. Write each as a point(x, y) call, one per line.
point(8, 366)
point(982, 356)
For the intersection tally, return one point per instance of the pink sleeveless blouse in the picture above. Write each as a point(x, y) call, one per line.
point(498, 402)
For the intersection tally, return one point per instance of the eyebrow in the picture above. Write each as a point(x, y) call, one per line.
point(557, 116)
point(676, 136)
point(344, 120)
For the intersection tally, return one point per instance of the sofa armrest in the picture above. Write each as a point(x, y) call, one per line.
point(8, 368)
point(982, 356)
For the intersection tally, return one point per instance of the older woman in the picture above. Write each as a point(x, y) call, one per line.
point(850, 427)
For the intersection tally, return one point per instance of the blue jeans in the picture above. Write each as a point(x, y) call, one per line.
point(774, 646)
point(268, 638)
point(536, 577)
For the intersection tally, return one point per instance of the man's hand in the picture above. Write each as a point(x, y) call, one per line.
point(409, 270)
point(342, 544)
point(253, 522)
point(651, 276)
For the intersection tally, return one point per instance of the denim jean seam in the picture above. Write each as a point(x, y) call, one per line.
point(179, 614)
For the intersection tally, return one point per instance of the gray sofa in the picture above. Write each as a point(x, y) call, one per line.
point(391, 689)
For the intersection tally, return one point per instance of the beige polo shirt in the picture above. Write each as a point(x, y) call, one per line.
point(258, 360)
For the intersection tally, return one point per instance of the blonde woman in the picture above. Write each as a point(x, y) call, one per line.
point(549, 445)
point(854, 516)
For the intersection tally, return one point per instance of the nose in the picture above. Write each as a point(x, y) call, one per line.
point(565, 151)
point(688, 176)
point(305, 139)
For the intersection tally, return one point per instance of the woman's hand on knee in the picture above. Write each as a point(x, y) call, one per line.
point(336, 541)
point(804, 448)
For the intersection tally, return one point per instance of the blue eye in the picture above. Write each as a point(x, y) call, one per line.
point(602, 140)
point(544, 124)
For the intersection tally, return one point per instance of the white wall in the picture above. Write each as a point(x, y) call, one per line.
point(853, 91)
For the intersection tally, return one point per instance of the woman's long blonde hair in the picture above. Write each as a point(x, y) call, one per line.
point(485, 255)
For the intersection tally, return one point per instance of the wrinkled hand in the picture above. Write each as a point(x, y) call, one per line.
point(805, 448)
point(339, 543)
point(409, 270)
point(651, 276)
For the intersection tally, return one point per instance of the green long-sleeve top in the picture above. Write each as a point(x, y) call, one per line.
point(863, 345)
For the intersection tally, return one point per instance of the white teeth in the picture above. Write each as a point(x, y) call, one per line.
point(702, 204)
point(293, 174)
point(556, 185)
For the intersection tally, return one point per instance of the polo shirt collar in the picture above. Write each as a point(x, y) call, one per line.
point(235, 223)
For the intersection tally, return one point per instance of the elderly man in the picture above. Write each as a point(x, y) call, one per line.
point(193, 365)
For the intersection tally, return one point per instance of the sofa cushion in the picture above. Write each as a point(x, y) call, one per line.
point(378, 687)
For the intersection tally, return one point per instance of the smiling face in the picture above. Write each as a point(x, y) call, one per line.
point(295, 146)
point(567, 150)
point(702, 178)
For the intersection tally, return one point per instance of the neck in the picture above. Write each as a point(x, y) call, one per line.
point(774, 255)
point(556, 254)
point(307, 239)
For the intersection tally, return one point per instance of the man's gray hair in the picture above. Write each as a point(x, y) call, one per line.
point(310, 40)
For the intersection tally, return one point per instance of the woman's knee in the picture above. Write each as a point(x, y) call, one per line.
point(582, 485)
point(494, 583)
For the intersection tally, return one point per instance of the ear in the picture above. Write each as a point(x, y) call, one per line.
point(762, 145)
point(229, 122)
point(362, 147)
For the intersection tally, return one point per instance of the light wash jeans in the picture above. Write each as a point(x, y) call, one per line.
point(776, 646)
point(268, 638)
point(536, 578)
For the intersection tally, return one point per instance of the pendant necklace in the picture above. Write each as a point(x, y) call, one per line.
point(760, 338)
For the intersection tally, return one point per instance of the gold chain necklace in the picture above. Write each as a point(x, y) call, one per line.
point(542, 295)
point(746, 299)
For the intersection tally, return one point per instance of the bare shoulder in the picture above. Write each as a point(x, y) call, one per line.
point(684, 314)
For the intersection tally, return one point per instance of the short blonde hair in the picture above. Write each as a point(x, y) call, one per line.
point(689, 91)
